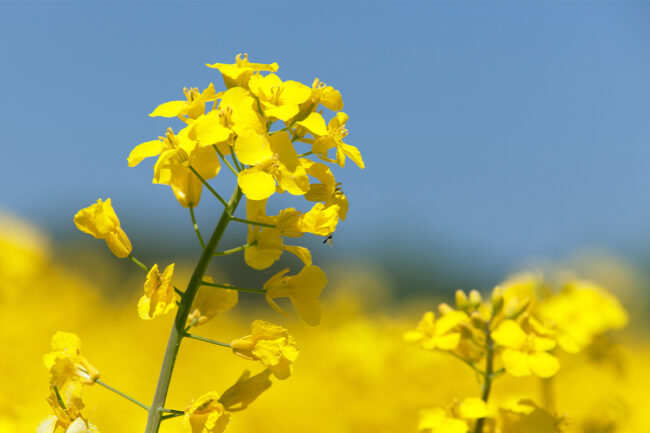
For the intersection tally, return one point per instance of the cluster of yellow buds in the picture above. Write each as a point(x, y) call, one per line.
point(516, 332)
point(274, 137)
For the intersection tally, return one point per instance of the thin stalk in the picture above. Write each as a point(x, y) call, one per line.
point(228, 286)
point(208, 186)
point(196, 227)
point(178, 329)
point(469, 363)
point(138, 262)
point(120, 393)
point(221, 155)
point(488, 376)
point(253, 223)
point(305, 154)
point(207, 340)
point(235, 250)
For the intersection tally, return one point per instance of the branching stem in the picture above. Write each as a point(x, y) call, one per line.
point(208, 186)
point(228, 286)
point(207, 340)
point(196, 227)
point(120, 393)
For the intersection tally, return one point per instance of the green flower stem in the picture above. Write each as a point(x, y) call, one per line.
point(207, 185)
point(131, 399)
point(253, 223)
point(138, 262)
point(228, 286)
point(235, 172)
point(468, 362)
point(207, 340)
point(178, 329)
point(171, 415)
point(488, 374)
point(235, 250)
point(174, 411)
point(196, 227)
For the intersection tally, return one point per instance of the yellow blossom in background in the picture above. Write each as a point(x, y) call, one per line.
point(440, 334)
point(456, 419)
point(525, 415)
point(268, 246)
point(206, 414)
point(159, 295)
point(245, 390)
point(67, 405)
point(100, 221)
point(239, 73)
point(303, 289)
point(65, 361)
point(270, 344)
point(523, 353)
point(209, 302)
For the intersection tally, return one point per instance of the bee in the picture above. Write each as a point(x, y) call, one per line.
point(328, 240)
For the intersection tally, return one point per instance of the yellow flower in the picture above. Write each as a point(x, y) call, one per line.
point(268, 247)
point(65, 361)
point(210, 301)
point(278, 99)
point(100, 221)
point(176, 153)
point(303, 289)
point(334, 139)
point(240, 72)
point(245, 390)
point(523, 353)
point(270, 344)
point(442, 334)
point(455, 419)
point(525, 416)
point(327, 191)
point(287, 222)
point(192, 108)
point(206, 414)
point(320, 220)
point(66, 404)
point(159, 295)
point(279, 163)
point(326, 95)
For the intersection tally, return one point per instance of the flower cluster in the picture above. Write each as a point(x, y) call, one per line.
point(274, 136)
point(517, 331)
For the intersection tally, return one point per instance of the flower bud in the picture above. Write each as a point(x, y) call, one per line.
point(497, 300)
point(477, 320)
point(445, 308)
point(461, 300)
point(475, 299)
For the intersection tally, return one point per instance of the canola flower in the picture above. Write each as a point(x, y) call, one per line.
point(515, 333)
point(264, 131)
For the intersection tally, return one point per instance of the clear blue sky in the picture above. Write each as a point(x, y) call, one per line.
point(500, 130)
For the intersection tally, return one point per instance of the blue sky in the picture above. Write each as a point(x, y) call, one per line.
point(499, 130)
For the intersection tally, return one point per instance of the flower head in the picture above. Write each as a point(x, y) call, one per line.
point(100, 221)
point(206, 414)
point(440, 334)
point(279, 99)
point(455, 419)
point(66, 404)
point(159, 295)
point(240, 72)
point(209, 302)
point(66, 363)
point(336, 132)
point(245, 390)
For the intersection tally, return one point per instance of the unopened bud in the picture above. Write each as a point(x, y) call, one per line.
point(475, 299)
point(497, 300)
point(461, 300)
point(445, 308)
point(517, 309)
point(477, 319)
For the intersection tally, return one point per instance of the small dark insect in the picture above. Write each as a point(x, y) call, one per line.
point(328, 240)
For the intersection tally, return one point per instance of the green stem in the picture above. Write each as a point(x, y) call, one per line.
point(131, 399)
point(178, 329)
point(488, 375)
point(138, 262)
point(207, 340)
point(196, 227)
point(305, 154)
point(228, 286)
point(253, 223)
point(235, 250)
point(235, 172)
point(207, 185)
point(470, 363)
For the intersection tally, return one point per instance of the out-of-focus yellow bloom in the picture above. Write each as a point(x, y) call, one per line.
point(581, 312)
point(281, 165)
point(159, 295)
point(177, 152)
point(66, 363)
point(66, 404)
point(279, 99)
point(245, 390)
point(303, 289)
point(193, 107)
point(334, 139)
point(268, 247)
point(523, 353)
point(209, 302)
point(240, 72)
point(270, 344)
point(442, 334)
point(525, 416)
point(206, 414)
point(456, 419)
point(287, 222)
point(100, 221)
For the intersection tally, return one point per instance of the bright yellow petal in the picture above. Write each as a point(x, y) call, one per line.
point(543, 364)
point(509, 334)
point(515, 362)
point(145, 150)
point(252, 148)
point(473, 408)
point(169, 109)
point(352, 153)
point(315, 124)
point(256, 184)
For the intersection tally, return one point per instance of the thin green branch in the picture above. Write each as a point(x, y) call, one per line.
point(207, 340)
point(253, 223)
point(235, 250)
point(468, 362)
point(196, 227)
point(207, 185)
point(235, 172)
point(305, 154)
point(171, 415)
point(138, 263)
point(120, 393)
point(228, 286)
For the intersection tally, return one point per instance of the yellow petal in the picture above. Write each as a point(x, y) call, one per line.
point(256, 184)
point(509, 334)
point(353, 153)
point(252, 147)
point(315, 124)
point(145, 150)
point(543, 364)
point(473, 408)
point(515, 362)
point(169, 109)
